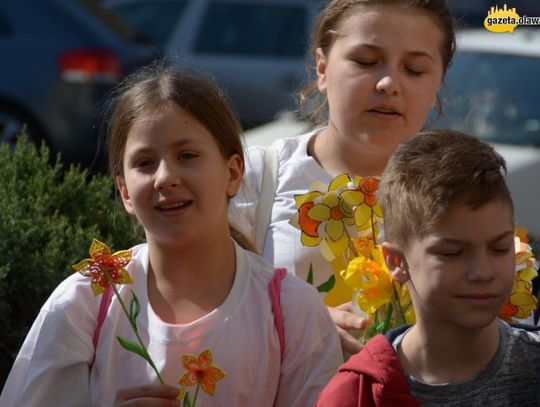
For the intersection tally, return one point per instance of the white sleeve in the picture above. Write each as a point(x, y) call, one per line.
point(52, 367)
point(312, 347)
point(243, 207)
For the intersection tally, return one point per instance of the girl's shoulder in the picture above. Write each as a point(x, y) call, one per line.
point(295, 293)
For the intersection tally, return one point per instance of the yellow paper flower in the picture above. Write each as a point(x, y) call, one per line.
point(522, 301)
point(102, 262)
point(201, 371)
point(326, 218)
point(368, 213)
point(371, 280)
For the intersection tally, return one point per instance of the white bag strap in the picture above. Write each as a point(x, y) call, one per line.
point(266, 199)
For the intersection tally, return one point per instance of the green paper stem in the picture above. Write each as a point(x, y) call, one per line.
point(134, 327)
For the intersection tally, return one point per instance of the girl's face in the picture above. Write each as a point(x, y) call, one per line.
point(175, 179)
point(381, 75)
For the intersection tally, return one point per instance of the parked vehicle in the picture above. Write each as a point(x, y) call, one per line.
point(255, 49)
point(491, 91)
point(59, 60)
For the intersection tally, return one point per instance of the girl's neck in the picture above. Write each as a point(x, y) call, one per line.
point(186, 283)
point(437, 355)
point(338, 155)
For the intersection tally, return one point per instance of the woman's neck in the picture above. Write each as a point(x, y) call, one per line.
point(186, 283)
point(437, 355)
point(338, 155)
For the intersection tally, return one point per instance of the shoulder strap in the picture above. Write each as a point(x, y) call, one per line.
point(106, 298)
point(266, 200)
point(274, 289)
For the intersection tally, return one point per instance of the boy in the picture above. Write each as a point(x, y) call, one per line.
point(449, 230)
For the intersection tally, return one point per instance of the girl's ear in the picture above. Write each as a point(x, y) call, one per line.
point(321, 64)
point(396, 263)
point(235, 168)
point(121, 185)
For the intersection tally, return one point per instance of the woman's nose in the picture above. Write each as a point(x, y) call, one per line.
point(389, 83)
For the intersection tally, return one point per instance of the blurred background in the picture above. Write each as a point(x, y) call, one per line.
point(61, 60)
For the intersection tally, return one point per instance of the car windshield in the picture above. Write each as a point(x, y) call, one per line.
point(493, 96)
point(153, 19)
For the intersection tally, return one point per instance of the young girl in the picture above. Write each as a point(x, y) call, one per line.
point(379, 66)
point(176, 157)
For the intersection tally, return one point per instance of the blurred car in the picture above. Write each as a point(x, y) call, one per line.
point(492, 91)
point(59, 60)
point(255, 49)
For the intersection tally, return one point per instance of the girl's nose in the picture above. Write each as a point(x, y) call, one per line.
point(389, 83)
point(167, 176)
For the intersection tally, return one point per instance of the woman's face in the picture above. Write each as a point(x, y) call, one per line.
point(381, 76)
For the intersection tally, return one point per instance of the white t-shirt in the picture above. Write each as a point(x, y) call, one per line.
point(283, 248)
point(53, 366)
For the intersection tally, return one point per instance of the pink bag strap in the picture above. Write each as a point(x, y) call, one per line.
point(106, 298)
point(274, 289)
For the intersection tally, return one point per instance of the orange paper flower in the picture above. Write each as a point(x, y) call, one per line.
point(101, 263)
point(201, 371)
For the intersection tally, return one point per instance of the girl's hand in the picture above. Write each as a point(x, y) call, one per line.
point(151, 395)
point(345, 319)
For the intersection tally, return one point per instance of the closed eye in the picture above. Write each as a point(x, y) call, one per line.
point(415, 71)
point(502, 250)
point(366, 62)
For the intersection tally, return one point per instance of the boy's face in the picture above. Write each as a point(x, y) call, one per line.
point(462, 271)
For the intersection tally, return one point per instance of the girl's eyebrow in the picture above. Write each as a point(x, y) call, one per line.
point(412, 53)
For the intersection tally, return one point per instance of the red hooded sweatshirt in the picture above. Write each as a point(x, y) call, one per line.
point(370, 378)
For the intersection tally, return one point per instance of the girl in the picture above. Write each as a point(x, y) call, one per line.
point(379, 66)
point(176, 157)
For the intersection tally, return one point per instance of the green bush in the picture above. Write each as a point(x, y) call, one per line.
point(48, 217)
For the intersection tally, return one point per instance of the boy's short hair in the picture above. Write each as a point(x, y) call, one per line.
point(430, 173)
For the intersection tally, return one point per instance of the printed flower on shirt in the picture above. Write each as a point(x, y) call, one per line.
point(200, 371)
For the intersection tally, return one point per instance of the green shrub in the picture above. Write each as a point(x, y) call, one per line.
point(48, 217)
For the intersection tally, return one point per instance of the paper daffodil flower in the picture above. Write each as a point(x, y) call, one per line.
point(326, 218)
point(102, 263)
point(372, 282)
point(521, 302)
point(201, 371)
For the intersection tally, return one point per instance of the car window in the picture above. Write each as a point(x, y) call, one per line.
point(153, 19)
point(493, 96)
point(253, 29)
point(109, 19)
point(4, 27)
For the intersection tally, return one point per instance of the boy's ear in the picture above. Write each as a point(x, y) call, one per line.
point(396, 263)
point(124, 194)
